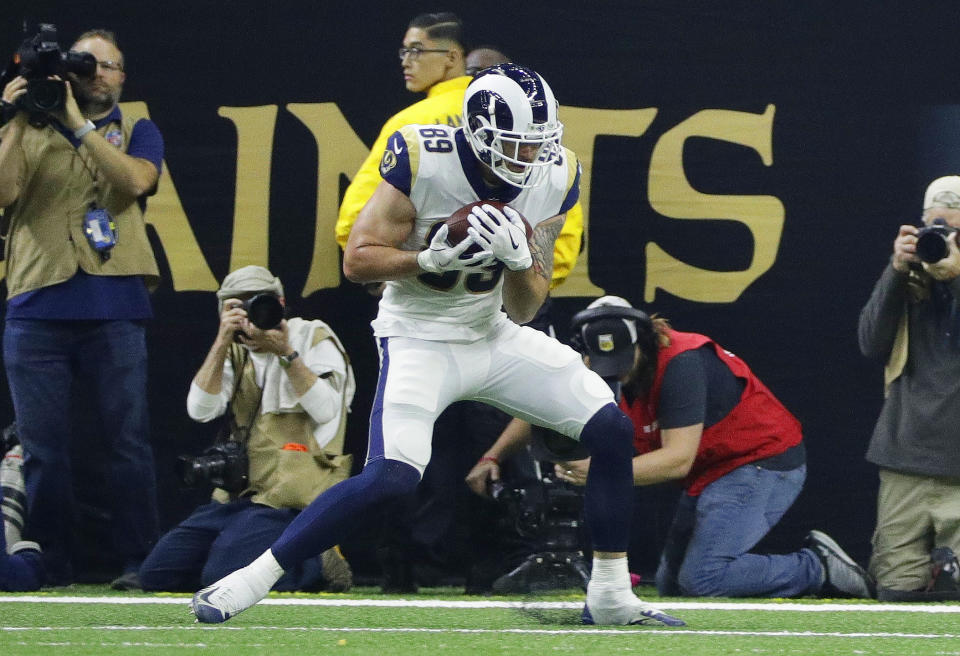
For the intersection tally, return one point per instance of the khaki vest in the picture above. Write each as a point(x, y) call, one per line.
point(287, 467)
point(45, 239)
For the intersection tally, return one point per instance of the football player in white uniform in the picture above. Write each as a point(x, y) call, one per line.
point(443, 336)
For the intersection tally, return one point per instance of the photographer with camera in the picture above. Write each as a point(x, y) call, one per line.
point(285, 386)
point(73, 184)
point(912, 323)
point(702, 417)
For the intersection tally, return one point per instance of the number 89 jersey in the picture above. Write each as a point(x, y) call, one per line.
point(435, 167)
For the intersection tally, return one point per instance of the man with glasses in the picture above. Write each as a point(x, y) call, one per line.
point(434, 62)
point(73, 185)
point(432, 58)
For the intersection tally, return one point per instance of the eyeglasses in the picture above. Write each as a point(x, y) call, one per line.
point(110, 65)
point(416, 52)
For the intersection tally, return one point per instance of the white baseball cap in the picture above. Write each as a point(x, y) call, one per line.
point(943, 192)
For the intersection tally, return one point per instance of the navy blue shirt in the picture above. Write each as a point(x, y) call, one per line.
point(84, 296)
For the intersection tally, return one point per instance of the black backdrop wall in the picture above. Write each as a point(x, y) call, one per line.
point(747, 167)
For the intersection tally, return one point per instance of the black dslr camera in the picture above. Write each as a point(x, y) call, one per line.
point(40, 57)
point(224, 465)
point(932, 241)
point(264, 311)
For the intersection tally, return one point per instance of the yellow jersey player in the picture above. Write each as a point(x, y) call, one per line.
point(433, 62)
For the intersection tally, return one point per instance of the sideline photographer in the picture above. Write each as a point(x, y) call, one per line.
point(78, 267)
point(702, 417)
point(912, 323)
point(285, 386)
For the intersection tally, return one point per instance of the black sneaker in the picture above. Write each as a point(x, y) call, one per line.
point(127, 581)
point(398, 576)
point(843, 576)
point(945, 575)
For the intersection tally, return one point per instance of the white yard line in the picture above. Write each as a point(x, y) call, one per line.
point(775, 606)
point(584, 631)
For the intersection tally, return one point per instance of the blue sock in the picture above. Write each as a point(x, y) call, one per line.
point(339, 510)
point(608, 503)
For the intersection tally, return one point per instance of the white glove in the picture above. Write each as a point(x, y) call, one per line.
point(440, 256)
point(504, 236)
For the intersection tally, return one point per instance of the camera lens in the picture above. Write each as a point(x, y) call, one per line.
point(82, 64)
point(932, 245)
point(44, 96)
point(264, 311)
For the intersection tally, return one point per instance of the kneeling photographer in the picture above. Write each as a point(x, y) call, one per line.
point(285, 386)
point(701, 417)
point(911, 323)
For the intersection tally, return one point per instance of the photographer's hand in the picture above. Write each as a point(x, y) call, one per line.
point(573, 472)
point(11, 154)
point(70, 116)
point(276, 340)
point(232, 319)
point(948, 268)
point(905, 249)
point(478, 479)
point(14, 89)
point(209, 377)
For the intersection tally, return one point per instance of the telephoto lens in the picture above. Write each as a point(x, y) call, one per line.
point(932, 241)
point(264, 311)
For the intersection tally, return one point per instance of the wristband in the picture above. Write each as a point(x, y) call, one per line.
point(489, 459)
point(287, 360)
point(84, 130)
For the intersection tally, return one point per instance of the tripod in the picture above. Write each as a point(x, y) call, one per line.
point(559, 562)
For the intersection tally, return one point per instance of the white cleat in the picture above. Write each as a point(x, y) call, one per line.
point(229, 596)
point(629, 610)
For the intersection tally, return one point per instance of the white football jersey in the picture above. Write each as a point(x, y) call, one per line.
point(436, 168)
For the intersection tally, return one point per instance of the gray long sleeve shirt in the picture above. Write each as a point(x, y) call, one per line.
point(918, 430)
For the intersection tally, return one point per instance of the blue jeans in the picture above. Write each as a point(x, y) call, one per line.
point(219, 538)
point(42, 358)
point(706, 553)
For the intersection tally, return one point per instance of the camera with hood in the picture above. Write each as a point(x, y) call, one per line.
point(264, 310)
point(224, 465)
point(40, 57)
point(932, 239)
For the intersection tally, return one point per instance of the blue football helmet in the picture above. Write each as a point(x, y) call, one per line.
point(510, 120)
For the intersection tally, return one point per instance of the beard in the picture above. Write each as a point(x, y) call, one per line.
point(94, 100)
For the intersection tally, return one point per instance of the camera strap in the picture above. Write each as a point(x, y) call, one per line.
point(242, 433)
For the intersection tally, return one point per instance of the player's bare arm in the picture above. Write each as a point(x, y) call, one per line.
point(373, 250)
point(524, 291)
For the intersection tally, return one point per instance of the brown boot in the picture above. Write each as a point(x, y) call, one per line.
point(336, 570)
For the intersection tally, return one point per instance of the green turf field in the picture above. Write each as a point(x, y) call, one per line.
point(94, 620)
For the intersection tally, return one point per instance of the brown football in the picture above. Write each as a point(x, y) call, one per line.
point(457, 224)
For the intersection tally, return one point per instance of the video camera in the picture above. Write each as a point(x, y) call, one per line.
point(932, 239)
point(548, 515)
point(38, 58)
point(224, 465)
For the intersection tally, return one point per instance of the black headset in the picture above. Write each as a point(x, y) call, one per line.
point(646, 335)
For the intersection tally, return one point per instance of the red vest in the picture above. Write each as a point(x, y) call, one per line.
point(758, 426)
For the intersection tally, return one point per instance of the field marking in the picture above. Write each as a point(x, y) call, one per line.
point(775, 606)
point(584, 631)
